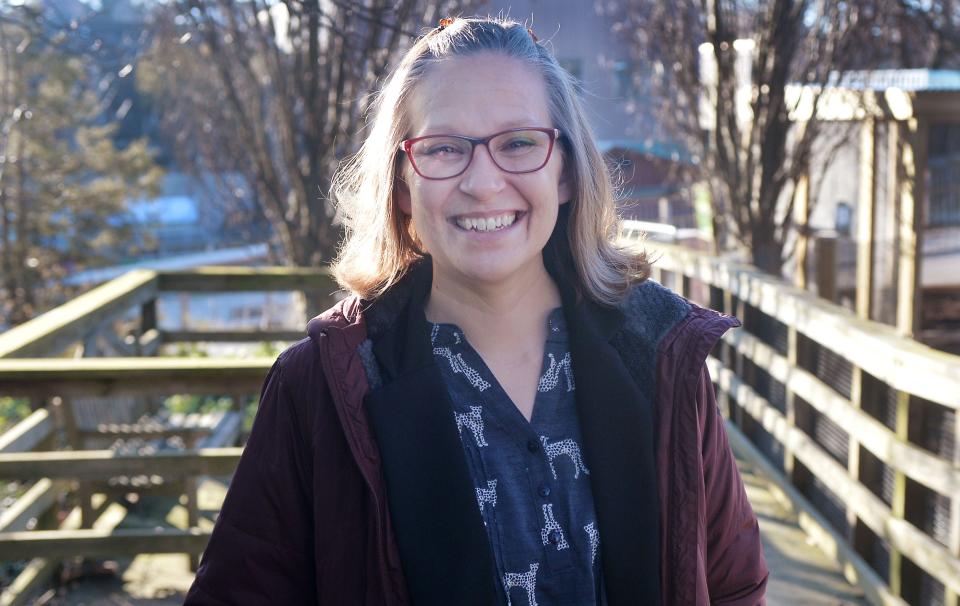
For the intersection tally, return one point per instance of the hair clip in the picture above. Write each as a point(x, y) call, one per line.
point(532, 35)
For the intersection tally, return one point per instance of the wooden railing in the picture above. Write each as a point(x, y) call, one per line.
point(48, 450)
point(858, 424)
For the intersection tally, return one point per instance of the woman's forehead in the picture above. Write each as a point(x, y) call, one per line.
point(482, 92)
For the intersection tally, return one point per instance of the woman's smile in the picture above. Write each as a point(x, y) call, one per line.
point(488, 223)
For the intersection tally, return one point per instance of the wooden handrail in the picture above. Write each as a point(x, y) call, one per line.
point(131, 376)
point(60, 544)
point(902, 362)
point(49, 333)
point(248, 279)
point(102, 464)
point(28, 433)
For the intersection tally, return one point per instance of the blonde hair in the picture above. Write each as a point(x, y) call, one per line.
point(381, 244)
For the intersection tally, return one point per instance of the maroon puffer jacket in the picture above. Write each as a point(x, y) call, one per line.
point(307, 520)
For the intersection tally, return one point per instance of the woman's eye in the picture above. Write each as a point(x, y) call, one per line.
point(443, 149)
point(517, 144)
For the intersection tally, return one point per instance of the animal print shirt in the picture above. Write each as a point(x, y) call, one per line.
point(532, 485)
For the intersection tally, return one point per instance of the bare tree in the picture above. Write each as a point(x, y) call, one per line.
point(729, 63)
point(275, 92)
point(63, 181)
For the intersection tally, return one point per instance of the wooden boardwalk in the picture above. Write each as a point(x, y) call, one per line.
point(801, 574)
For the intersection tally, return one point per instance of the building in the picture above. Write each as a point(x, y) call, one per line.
point(648, 167)
point(895, 228)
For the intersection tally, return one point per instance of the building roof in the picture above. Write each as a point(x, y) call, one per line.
point(660, 149)
point(912, 80)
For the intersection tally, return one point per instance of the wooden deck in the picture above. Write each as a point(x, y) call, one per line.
point(801, 575)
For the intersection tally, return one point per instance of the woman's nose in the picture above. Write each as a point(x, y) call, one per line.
point(483, 178)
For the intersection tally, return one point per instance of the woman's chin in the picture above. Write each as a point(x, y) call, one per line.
point(489, 271)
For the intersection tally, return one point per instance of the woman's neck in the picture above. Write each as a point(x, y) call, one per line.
point(493, 315)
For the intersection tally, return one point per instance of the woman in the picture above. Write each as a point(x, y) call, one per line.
point(504, 411)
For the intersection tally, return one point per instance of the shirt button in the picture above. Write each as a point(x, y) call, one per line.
point(533, 445)
point(553, 537)
point(544, 491)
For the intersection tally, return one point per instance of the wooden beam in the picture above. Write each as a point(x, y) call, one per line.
point(249, 279)
point(31, 505)
point(866, 209)
point(912, 195)
point(825, 255)
point(853, 450)
point(49, 333)
point(132, 376)
point(103, 464)
point(898, 499)
point(28, 433)
point(801, 208)
point(148, 316)
point(59, 544)
point(953, 597)
point(231, 336)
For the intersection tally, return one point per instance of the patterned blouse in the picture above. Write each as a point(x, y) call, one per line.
point(533, 488)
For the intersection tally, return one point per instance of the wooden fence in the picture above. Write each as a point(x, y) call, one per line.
point(857, 423)
point(83, 404)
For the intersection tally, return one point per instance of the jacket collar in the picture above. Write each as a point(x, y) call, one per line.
point(440, 533)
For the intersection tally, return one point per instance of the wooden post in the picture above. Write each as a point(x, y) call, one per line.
point(898, 502)
point(148, 316)
point(193, 516)
point(952, 597)
point(64, 408)
point(826, 267)
point(866, 207)
point(148, 323)
point(238, 399)
point(801, 208)
point(788, 458)
point(853, 453)
point(912, 194)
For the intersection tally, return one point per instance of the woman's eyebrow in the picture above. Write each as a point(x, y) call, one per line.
point(446, 129)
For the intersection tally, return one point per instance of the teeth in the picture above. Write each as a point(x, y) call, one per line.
point(488, 224)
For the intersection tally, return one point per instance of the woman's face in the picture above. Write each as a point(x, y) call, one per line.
point(478, 96)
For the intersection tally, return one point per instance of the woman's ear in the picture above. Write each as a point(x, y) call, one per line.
point(401, 194)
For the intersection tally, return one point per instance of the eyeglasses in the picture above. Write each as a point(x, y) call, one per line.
point(518, 150)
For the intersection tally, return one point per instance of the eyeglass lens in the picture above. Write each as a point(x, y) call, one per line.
point(515, 151)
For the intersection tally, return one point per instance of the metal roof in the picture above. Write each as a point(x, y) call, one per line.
point(913, 80)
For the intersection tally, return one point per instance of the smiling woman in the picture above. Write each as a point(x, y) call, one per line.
point(504, 410)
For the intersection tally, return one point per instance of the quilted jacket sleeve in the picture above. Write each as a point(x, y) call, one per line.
point(736, 570)
point(261, 548)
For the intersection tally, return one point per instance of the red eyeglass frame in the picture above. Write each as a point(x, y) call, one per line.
point(406, 146)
